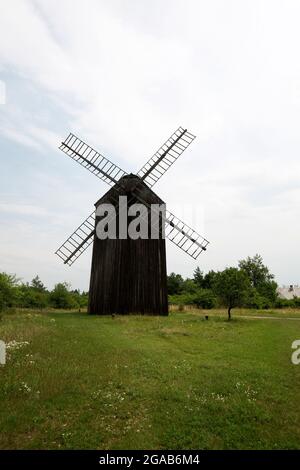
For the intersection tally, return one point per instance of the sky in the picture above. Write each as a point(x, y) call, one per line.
point(123, 75)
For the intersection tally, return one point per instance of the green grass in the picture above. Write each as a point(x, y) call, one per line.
point(176, 382)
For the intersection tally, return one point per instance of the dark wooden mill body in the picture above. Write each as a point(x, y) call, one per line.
point(129, 276)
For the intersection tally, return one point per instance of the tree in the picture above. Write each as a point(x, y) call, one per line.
point(232, 287)
point(189, 286)
point(198, 277)
point(208, 280)
point(30, 297)
point(61, 296)
point(175, 284)
point(261, 280)
point(256, 271)
point(205, 298)
point(37, 284)
point(80, 299)
point(8, 283)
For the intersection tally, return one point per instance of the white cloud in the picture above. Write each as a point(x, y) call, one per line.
point(124, 74)
point(22, 209)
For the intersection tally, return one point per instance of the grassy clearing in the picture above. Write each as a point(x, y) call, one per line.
point(146, 382)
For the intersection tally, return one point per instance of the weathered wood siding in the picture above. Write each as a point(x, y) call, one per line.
point(128, 276)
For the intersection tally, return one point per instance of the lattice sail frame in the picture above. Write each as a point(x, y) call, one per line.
point(184, 236)
point(92, 160)
point(176, 230)
point(165, 156)
point(78, 242)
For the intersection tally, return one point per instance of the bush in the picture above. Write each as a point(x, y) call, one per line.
point(61, 296)
point(258, 301)
point(29, 297)
point(296, 301)
point(288, 303)
point(175, 284)
point(7, 290)
point(202, 298)
point(284, 303)
point(182, 299)
point(205, 299)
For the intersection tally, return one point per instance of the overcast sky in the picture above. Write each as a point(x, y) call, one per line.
point(123, 75)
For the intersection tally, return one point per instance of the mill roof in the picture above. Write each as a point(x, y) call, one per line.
point(125, 186)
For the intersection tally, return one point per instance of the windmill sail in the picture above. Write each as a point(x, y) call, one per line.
point(165, 156)
point(184, 236)
point(78, 242)
point(91, 160)
point(81, 238)
point(175, 230)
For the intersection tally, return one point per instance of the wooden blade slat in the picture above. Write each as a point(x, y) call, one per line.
point(92, 160)
point(165, 156)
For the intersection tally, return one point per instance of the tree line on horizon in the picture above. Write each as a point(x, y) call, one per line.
point(250, 285)
point(14, 293)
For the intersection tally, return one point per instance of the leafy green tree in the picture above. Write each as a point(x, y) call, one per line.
point(261, 280)
point(29, 297)
point(175, 284)
point(80, 299)
point(61, 297)
point(8, 283)
point(208, 280)
point(232, 287)
point(256, 271)
point(37, 284)
point(198, 277)
point(189, 286)
point(268, 290)
point(84, 296)
point(205, 298)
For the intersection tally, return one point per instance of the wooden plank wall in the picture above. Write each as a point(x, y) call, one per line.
point(128, 276)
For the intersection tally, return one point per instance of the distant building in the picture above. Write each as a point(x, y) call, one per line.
point(288, 292)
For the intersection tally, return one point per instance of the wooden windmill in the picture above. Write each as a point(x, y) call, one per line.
point(129, 275)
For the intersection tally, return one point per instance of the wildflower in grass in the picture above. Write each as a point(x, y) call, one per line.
point(218, 396)
point(24, 388)
point(15, 345)
point(247, 390)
